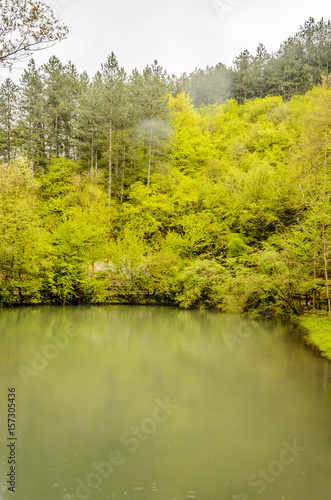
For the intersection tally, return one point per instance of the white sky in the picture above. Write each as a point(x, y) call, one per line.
point(180, 34)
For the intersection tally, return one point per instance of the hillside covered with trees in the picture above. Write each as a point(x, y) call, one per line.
point(209, 190)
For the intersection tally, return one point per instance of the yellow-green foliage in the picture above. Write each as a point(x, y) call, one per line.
point(24, 242)
point(319, 333)
point(232, 217)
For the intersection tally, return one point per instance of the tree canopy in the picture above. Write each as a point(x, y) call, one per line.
point(128, 188)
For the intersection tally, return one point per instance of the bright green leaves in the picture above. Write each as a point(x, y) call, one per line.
point(192, 147)
point(24, 244)
point(230, 210)
point(57, 181)
point(201, 285)
point(77, 217)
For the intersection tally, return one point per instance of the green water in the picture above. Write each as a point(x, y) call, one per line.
point(142, 403)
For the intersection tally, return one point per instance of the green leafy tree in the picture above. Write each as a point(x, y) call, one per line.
point(191, 146)
point(314, 157)
point(76, 217)
point(201, 285)
point(24, 244)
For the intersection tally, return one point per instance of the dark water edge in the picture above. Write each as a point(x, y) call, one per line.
point(164, 302)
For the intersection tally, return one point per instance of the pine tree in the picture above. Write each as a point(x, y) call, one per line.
point(112, 88)
point(151, 99)
point(259, 70)
point(72, 90)
point(88, 126)
point(62, 91)
point(243, 83)
point(32, 117)
point(53, 76)
point(8, 115)
point(210, 86)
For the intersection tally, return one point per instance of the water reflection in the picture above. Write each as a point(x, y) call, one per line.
point(242, 387)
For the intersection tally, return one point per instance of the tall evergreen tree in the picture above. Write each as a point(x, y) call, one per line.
point(32, 117)
point(210, 86)
point(259, 71)
point(112, 87)
point(152, 101)
point(243, 82)
point(53, 75)
point(62, 90)
point(8, 114)
point(72, 84)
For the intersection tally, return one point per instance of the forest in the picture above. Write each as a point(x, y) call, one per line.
point(209, 190)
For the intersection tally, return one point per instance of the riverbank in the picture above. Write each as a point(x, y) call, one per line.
point(317, 325)
point(319, 333)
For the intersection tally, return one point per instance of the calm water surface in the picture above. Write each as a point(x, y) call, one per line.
point(142, 403)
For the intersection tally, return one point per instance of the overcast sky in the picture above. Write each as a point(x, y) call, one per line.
point(180, 34)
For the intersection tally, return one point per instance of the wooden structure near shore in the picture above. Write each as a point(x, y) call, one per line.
point(310, 301)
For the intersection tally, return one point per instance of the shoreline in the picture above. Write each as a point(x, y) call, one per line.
point(318, 333)
point(317, 327)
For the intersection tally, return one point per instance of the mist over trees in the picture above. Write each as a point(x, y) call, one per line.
point(207, 190)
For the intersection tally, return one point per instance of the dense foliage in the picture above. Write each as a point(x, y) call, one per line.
point(122, 189)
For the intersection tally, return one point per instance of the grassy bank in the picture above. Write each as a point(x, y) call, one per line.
point(319, 332)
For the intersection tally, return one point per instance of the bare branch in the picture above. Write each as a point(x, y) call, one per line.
point(25, 27)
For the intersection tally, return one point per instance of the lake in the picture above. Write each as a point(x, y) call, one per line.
point(137, 403)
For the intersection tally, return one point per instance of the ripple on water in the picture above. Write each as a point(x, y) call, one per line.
point(138, 486)
point(153, 487)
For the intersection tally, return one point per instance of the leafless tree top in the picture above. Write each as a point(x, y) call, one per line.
point(27, 26)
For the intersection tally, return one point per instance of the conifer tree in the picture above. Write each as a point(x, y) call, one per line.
point(112, 86)
point(32, 117)
point(8, 114)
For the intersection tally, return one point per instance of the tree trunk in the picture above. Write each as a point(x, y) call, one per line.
point(92, 160)
point(325, 258)
point(8, 144)
point(315, 256)
point(116, 173)
point(116, 165)
point(150, 159)
point(110, 162)
point(325, 251)
point(134, 164)
point(56, 138)
point(123, 175)
point(8, 130)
